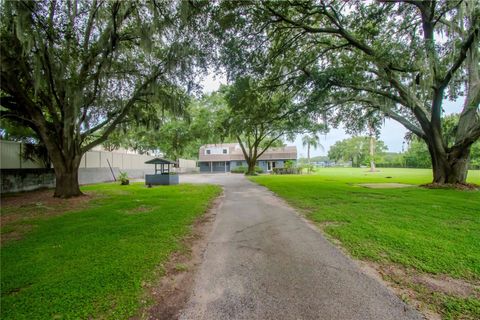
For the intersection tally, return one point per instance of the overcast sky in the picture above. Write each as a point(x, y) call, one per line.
point(392, 132)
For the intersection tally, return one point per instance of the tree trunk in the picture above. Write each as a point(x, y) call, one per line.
point(66, 176)
point(451, 167)
point(308, 153)
point(251, 167)
point(372, 154)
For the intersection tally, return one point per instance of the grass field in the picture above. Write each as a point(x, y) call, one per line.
point(90, 263)
point(432, 231)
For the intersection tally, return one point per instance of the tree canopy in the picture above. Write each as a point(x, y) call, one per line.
point(356, 150)
point(402, 58)
point(257, 116)
point(73, 71)
point(174, 136)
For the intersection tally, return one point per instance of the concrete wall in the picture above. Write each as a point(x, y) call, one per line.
point(15, 180)
point(97, 175)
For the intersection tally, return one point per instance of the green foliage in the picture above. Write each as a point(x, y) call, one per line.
point(311, 140)
point(258, 116)
point(33, 148)
point(92, 263)
point(75, 71)
point(288, 164)
point(359, 62)
point(123, 178)
point(241, 169)
point(306, 168)
point(387, 226)
point(391, 159)
point(355, 149)
point(417, 155)
point(475, 155)
point(175, 136)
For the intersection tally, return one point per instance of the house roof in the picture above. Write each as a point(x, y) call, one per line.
point(235, 153)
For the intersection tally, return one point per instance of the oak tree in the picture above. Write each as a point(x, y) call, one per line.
point(73, 70)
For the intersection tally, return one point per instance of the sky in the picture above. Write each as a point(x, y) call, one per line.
point(392, 133)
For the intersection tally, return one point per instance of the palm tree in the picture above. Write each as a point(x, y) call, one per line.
point(311, 140)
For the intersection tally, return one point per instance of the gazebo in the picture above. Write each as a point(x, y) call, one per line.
point(162, 176)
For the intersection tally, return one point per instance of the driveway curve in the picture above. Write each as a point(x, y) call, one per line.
point(263, 261)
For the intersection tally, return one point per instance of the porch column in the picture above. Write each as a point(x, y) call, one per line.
point(211, 166)
point(225, 165)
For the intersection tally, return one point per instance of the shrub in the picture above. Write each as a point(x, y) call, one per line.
point(239, 170)
point(243, 169)
point(289, 164)
point(286, 170)
point(123, 178)
point(258, 169)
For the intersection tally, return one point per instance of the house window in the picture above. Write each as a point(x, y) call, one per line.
point(224, 151)
point(208, 151)
point(239, 163)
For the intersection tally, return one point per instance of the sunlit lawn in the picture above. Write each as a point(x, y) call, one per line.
point(433, 231)
point(91, 264)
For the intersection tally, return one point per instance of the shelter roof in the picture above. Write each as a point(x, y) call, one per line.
point(160, 161)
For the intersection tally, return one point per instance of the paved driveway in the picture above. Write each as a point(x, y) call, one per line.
point(264, 262)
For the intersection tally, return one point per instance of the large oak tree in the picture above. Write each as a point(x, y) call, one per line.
point(403, 58)
point(74, 70)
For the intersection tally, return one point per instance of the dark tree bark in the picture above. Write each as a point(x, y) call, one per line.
point(251, 167)
point(449, 167)
point(66, 180)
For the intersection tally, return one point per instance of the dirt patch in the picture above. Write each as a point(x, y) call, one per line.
point(458, 186)
point(171, 292)
point(437, 283)
point(16, 233)
point(419, 289)
point(385, 185)
point(450, 286)
point(20, 208)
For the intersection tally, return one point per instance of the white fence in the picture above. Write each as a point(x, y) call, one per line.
point(123, 161)
point(11, 158)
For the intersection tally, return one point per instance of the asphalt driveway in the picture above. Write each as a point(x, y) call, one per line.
point(263, 261)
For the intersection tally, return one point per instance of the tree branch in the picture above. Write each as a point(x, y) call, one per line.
point(467, 45)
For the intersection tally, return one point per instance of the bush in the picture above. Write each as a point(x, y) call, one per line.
point(286, 170)
point(239, 170)
point(289, 164)
point(123, 178)
point(243, 169)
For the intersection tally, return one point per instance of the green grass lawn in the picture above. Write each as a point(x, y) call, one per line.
point(434, 231)
point(91, 263)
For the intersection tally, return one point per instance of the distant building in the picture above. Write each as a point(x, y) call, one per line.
point(227, 156)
